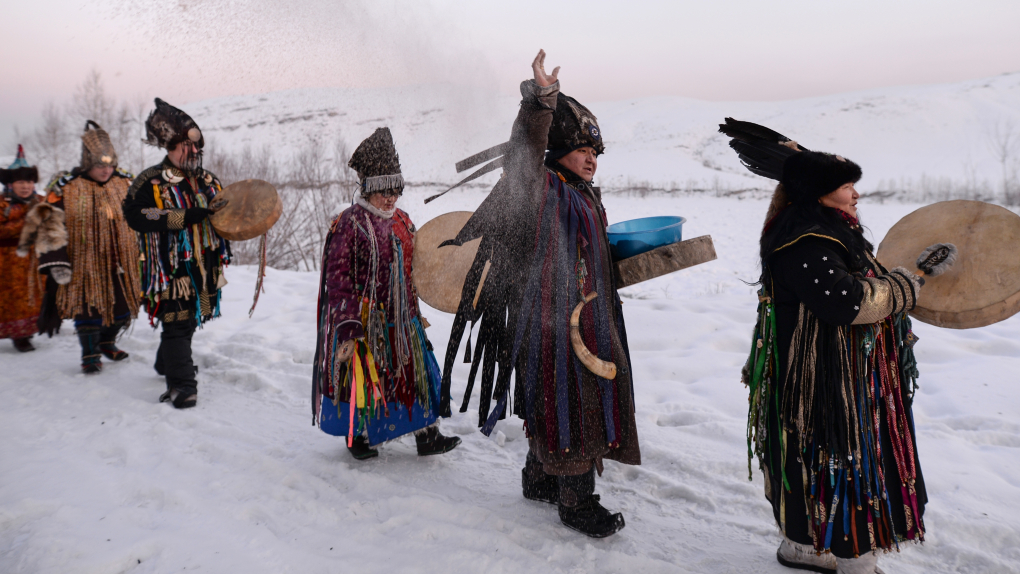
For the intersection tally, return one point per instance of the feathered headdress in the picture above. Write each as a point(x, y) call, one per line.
point(804, 175)
point(573, 126)
point(167, 126)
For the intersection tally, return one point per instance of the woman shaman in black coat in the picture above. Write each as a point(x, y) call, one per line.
point(831, 377)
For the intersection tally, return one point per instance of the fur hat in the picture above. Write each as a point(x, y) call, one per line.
point(168, 126)
point(377, 163)
point(96, 148)
point(573, 126)
point(19, 170)
point(809, 175)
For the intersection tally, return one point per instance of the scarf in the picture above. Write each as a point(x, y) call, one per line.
point(373, 209)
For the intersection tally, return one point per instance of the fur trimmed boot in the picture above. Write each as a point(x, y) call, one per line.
point(91, 358)
point(430, 441)
point(866, 564)
point(803, 557)
point(580, 509)
point(536, 484)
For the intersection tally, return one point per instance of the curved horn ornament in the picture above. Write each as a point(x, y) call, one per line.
point(604, 369)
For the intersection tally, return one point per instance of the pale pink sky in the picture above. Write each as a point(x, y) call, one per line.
point(189, 50)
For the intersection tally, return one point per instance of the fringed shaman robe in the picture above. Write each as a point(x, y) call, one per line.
point(832, 376)
point(178, 262)
point(544, 247)
point(21, 287)
point(390, 386)
point(101, 250)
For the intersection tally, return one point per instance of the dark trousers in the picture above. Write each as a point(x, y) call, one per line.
point(173, 358)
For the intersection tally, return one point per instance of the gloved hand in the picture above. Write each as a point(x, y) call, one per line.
point(196, 215)
point(61, 274)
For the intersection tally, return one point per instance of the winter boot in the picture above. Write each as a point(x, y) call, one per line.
point(180, 399)
point(360, 449)
point(804, 557)
point(580, 509)
point(24, 344)
point(866, 564)
point(538, 485)
point(430, 441)
point(91, 359)
point(108, 343)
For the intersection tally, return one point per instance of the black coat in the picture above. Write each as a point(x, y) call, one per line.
point(162, 223)
point(815, 267)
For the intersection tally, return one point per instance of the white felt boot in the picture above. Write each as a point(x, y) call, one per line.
point(804, 557)
point(866, 564)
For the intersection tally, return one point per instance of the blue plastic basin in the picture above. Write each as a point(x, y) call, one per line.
point(634, 237)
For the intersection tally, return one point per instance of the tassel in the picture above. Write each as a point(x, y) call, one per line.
point(467, 349)
point(262, 272)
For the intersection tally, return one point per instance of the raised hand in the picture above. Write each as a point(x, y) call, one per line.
point(538, 66)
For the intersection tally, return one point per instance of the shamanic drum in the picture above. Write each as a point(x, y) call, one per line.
point(439, 272)
point(983, 286)
point(252, 207)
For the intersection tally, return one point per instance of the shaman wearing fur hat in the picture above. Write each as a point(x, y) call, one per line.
point(544, 253)
point(831, 371)
point(21, 288)
point(88, 251)
point(375, 377)
point(182, 257)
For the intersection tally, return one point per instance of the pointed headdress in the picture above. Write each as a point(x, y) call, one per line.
point(96, 148)
point(19, 170)
point(377, 163)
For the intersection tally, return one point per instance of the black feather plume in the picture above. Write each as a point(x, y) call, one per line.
point(760, 149)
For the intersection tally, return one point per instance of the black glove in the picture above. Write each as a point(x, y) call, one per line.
point(196, 214)
point(49, 315)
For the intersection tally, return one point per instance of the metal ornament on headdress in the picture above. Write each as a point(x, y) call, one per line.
point(382, 183)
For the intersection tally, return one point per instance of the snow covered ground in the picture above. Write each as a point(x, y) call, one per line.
point(97, 477)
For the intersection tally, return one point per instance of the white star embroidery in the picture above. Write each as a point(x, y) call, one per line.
point(844, 292)
point(816, 281)
point(805, 266)
point(825, 258)
point(830, 271)
point(856, 308)
point(826, 292)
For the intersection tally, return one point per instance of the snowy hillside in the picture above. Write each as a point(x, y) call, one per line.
point(97, 477)
point(663, 142)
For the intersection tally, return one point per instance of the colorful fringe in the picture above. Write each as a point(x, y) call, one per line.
point(156, 282)
point(393, 362)
point(877, 361)
point(566, 266)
